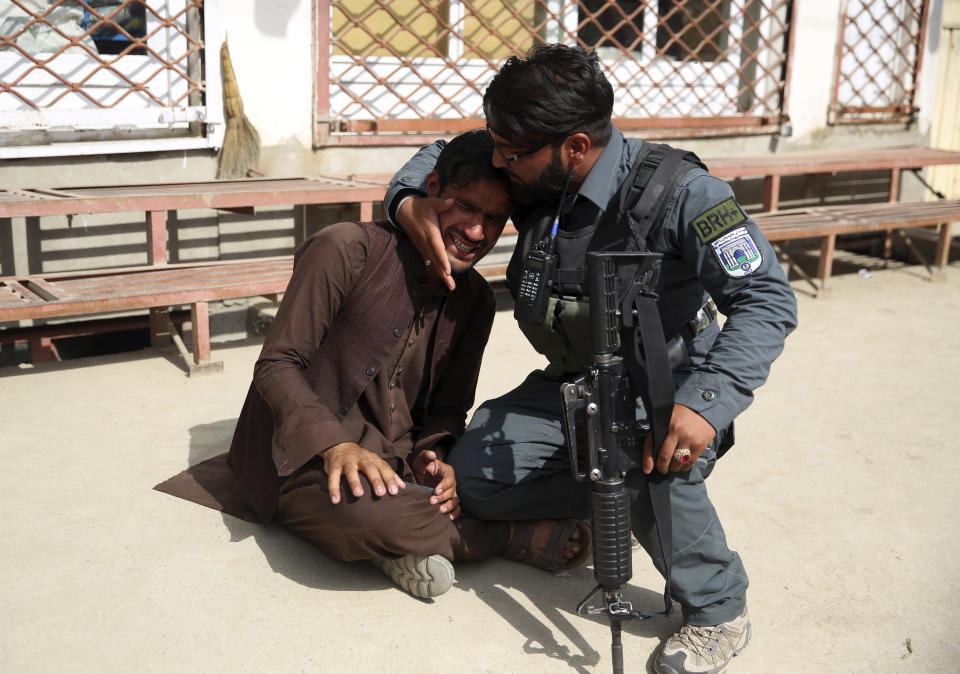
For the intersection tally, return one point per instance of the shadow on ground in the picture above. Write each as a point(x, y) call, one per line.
point(496, 582)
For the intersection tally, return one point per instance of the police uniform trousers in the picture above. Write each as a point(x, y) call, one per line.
point(513, 463)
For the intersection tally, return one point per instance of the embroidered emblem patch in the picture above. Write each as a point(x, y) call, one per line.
point(713, 222)
point(737, 253)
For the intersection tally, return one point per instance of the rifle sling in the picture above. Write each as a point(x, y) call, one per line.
point(655, 174)
point(651, 376)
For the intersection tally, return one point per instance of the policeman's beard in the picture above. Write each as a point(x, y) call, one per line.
point(545, 188)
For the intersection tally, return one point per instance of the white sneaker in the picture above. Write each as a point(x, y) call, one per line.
point(422, 576)
point(703, 649)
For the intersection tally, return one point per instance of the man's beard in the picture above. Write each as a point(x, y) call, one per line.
point(545, 188)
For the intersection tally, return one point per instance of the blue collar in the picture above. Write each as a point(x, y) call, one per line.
point(601, 182)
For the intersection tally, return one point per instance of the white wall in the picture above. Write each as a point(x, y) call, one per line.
point(814, 55)
point(930, 71)
point(271, 46)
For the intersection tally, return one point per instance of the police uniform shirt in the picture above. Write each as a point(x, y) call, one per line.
point(710, 247)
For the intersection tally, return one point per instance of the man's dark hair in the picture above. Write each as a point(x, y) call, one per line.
point(556, 91)
point(467, 158)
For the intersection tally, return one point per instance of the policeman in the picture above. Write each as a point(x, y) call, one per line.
point(550, 118)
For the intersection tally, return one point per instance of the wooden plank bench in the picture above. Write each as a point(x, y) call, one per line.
point(62, 294)
point(156, 284)
point(828, 222)
point(157, 199)
point(772, 167)
point(156, 288)
point(159, 287)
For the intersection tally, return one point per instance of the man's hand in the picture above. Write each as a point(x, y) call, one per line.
point(430, 471)
point(348, 460)
point(687, 429)
point(419, 217)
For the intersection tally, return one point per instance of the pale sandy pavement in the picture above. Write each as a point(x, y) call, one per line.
point(840, 496)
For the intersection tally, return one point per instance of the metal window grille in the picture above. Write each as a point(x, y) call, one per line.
point(878, 61)
point(101, 69)
point(684, 67)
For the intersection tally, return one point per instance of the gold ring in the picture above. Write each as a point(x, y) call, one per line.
point(682, 455)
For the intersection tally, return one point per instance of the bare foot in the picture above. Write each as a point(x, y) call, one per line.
point(539, 542)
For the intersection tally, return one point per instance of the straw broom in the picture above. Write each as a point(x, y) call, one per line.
point(240, 154)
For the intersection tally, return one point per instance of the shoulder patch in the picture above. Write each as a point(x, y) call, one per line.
point(737, 252)
point(715, 221)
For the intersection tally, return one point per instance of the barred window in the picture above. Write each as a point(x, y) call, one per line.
point(125, 72)
point(878, 61)
point(615, 25)
point(698, 28)
point(688, 67)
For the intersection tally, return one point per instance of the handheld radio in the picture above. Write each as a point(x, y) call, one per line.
point(536, 276)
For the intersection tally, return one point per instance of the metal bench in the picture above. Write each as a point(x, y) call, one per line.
point(156, 288)
point(828, 222)
point(825, 223)
point(772, 167)
point(159, 286)
point(156, 200)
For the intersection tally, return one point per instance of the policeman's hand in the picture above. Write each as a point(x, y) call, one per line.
point(348, 460)
point(419, 217)
point(430, 471)
point(687, 429)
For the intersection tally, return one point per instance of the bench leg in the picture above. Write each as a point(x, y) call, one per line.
point(156, 237)
point(200, 318)
point(199, 362)
point(160, 327)
point(916, 253)
point(942, 257)
point(887, 247)
point(782, 253)
point(43, 350)
point(771, 193)
point(894, 193)
point(825, 264)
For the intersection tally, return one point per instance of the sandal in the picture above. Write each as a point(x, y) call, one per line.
point(520, 548)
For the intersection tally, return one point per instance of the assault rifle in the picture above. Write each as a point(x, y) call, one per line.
point(631, 366)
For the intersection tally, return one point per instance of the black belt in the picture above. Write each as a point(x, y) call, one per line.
point(701, 320)
point(705, 315)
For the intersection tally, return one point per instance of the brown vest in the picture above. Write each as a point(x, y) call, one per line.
point(357, 345)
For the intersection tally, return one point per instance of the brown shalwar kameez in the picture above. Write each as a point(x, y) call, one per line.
point(362, 351)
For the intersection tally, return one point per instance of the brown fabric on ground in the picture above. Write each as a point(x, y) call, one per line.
point(211, 483)
point(380, 526)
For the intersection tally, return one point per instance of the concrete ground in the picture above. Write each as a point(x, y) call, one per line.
point(838, 496)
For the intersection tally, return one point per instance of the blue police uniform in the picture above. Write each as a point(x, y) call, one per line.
point(512, 461)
